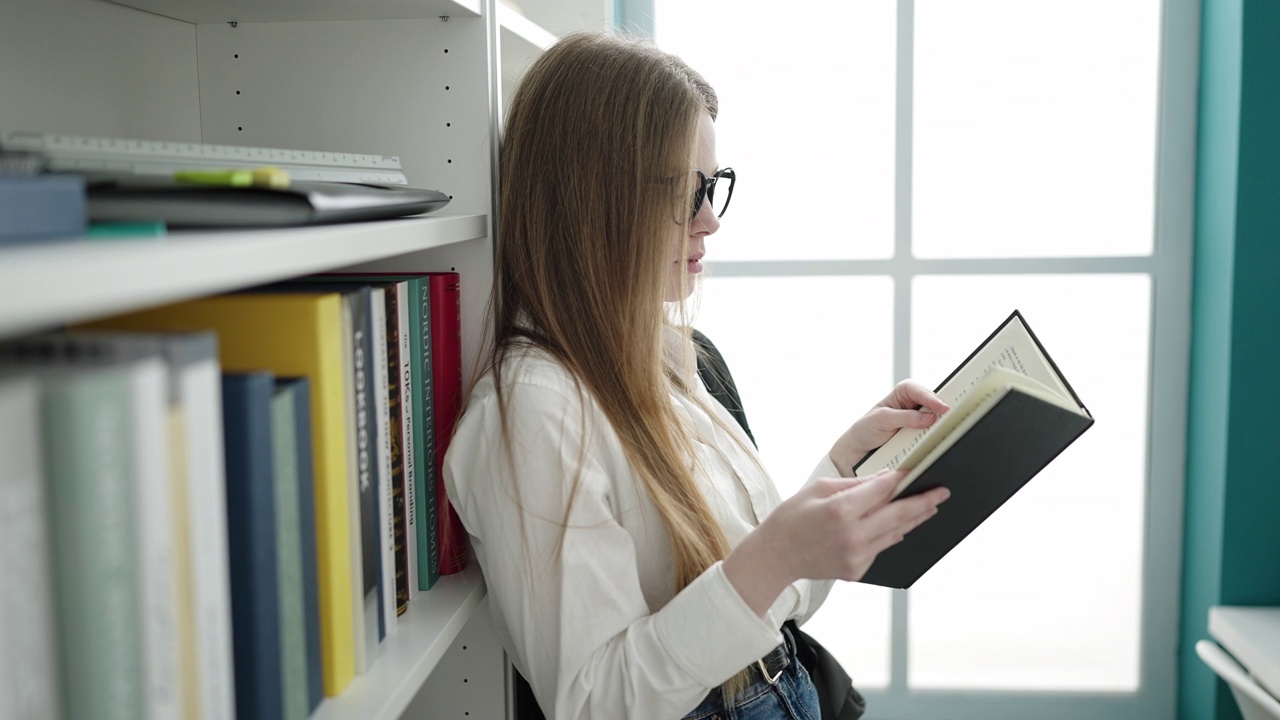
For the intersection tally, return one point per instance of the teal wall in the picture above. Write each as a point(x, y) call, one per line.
point(1231, 552)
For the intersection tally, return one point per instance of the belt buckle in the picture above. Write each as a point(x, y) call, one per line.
point(765, 672)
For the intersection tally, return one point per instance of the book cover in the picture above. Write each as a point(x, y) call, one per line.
point(363, 458)
point(367, 555)
point(198, 501)
point(382, 389)
point(130, 198)
point(397, 440)
point(89, 462)
point(29, 686)
point(198, 497)
point(446, 350)
point(1012, 412)
point(294, 688)
point(157, 590)
point(408, 428)
point(152, 392)
point(288, 335)
point(420, 452)
point(38, 208)
point(298, 393)
point(184, 575)
point(252, 547)
point(201, 588)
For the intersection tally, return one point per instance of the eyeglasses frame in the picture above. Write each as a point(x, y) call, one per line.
point(707, 187)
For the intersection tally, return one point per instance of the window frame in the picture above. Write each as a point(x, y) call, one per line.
point(1169, 267)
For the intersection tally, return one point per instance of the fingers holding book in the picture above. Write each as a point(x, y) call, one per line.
point(909, 405)
point(834, 527)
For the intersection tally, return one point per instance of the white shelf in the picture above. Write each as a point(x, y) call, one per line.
point(250, 11)
point(1252, 635)
point(522, 41)
point(47, 285)
point(410, 653)
point(523, 29)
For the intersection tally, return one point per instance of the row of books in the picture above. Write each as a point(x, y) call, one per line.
point(219, 508)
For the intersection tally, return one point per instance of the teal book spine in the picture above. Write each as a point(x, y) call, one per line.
point(424, 428)
point(289, 556)
point(301, 395)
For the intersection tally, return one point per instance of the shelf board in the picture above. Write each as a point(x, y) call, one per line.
point(1252, 636)
point(523, 29)
point(42, 286)
point(247, 11)
point(522, 41)
point(410, 653)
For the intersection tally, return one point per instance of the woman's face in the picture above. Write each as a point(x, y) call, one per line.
point(688, 258)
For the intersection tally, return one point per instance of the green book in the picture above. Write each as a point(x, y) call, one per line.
point(293, 634)
point(88, 455)
point(420, 455)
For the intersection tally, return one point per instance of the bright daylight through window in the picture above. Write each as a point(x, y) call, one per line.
point(901, 189)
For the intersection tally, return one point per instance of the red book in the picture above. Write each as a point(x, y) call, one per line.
point(446, 375)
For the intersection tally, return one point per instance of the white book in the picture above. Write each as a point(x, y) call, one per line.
point(200, 383)
point(29, 684)
point(382, 414)
point(406, 437)
point(156, 549)
point(153, 521)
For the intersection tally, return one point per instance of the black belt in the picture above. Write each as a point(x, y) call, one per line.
point(771, 666)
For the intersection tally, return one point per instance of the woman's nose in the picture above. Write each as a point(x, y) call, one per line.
point(705, 222)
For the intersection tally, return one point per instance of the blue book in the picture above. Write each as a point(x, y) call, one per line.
point(251, 534)
point(34, 208)
point(298, 391)
point(370, 624)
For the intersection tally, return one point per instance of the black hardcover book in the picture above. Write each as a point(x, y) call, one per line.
point(186, 205)
point(1012, 412)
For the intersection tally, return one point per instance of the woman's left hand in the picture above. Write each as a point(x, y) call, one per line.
point(909, 405)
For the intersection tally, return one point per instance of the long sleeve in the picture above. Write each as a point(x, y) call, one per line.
point(577, 558)
point(718, 381)
point(578, 604)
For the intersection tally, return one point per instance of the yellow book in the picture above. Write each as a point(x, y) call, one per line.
point(291, 334)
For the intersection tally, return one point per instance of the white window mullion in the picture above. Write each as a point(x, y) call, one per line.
point(915, 267)
point(902, 277)
point(1171, 338)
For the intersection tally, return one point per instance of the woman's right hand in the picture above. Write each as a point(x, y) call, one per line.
point(832, 529)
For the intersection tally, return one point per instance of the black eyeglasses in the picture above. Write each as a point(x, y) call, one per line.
point(707, 191)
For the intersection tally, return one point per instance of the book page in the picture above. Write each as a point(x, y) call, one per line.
point(995, 385)
point(1013, 349)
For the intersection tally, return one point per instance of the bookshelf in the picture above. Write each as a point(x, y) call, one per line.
point(423, 637)
point(424, 80)
point(145, 273)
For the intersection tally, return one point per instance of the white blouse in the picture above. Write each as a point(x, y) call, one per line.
point(589, 614)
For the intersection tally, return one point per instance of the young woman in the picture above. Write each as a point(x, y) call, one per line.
point(639, 560)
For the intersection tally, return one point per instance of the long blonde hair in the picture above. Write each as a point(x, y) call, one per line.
point(595, 173)
point(595, 166)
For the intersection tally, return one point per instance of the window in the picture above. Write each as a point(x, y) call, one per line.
point(910, 172)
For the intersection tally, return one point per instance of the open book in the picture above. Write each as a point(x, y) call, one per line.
point(1012, 412)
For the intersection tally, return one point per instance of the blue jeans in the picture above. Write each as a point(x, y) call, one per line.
point(792, 698)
